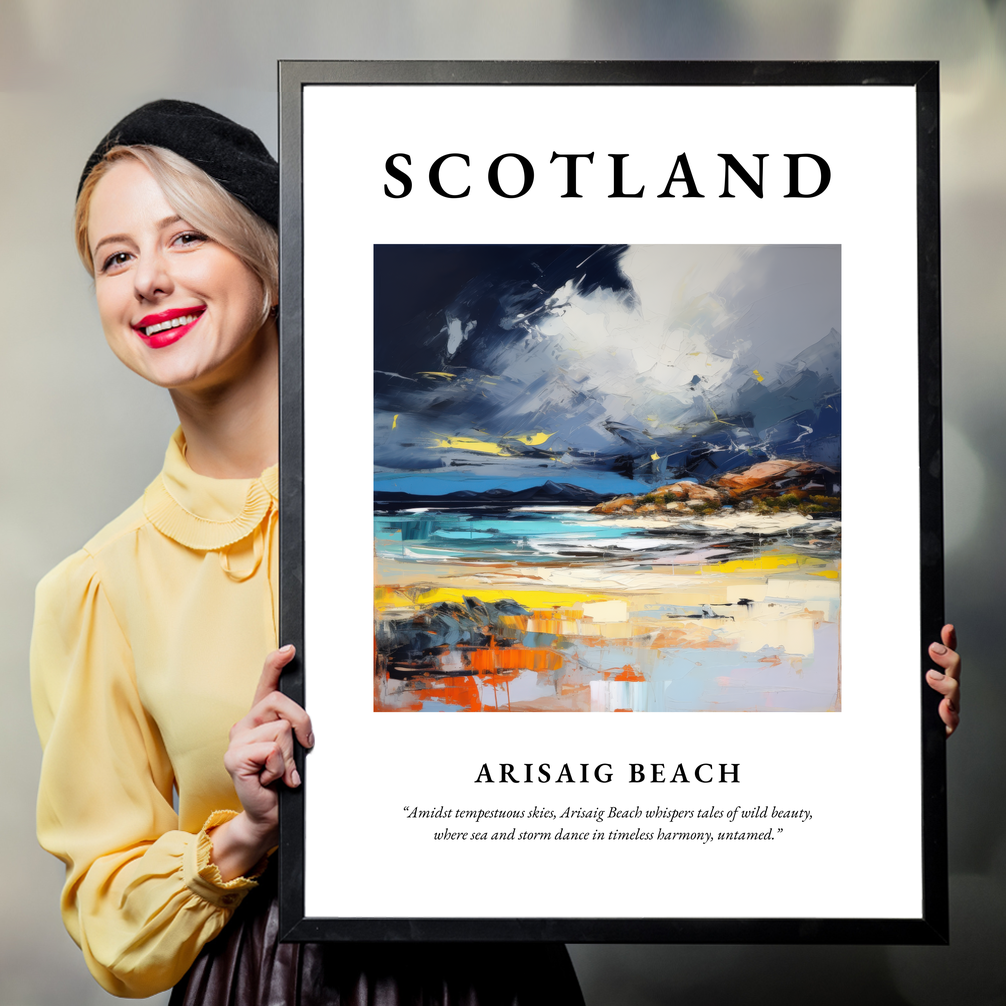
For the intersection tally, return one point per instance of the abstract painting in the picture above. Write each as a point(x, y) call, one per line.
point(607, 478)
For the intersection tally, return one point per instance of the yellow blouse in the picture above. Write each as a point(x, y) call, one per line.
point(147, 647)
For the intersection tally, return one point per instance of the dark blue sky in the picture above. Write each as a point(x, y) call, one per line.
point(509, 362)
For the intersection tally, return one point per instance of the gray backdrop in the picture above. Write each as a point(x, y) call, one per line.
point(82, 436)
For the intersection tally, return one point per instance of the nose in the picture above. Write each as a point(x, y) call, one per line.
point(152, 276)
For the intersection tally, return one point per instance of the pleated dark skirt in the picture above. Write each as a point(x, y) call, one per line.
point(246, 965)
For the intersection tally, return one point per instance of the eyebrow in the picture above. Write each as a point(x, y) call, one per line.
point(111, 238)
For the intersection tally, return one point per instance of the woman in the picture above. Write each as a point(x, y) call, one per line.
point(149, 642)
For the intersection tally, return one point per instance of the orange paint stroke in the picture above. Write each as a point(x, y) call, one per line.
point(629, 673)
point(484, 659)
point(459, 690)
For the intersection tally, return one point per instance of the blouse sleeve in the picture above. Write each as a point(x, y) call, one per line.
point(141, 898)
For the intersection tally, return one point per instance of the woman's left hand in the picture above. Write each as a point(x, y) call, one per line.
point(948, 681)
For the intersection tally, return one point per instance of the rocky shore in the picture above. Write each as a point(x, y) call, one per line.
point(766, 487)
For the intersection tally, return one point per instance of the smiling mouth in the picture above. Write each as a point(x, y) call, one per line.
point(166, 322)
point(185, 319)
point(167, 327)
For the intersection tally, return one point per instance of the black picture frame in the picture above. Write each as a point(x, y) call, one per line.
point(931, 927)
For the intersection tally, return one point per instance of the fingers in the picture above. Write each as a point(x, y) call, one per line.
point(272, 761)
point(270, 703)
point(271, 671)
point(950, 715)
point(277, 706)
point(262, 761)
point(948, 660)
point(261, 749)
point(949, 636)
point(949, 688)
point(265, 751)
point(947, 681)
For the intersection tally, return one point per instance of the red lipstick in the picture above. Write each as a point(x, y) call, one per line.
point(165, 333)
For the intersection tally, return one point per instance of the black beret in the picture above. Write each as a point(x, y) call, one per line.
point(231, 154)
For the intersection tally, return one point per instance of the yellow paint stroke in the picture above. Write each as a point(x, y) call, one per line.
point(771, 562)
point(532, 439)
point(490, 446)
point(654, 457)
point(758, 377)
point(394, 422)
point(716, 418)
point(390, 597)
point(468, 444)
point(436, 373)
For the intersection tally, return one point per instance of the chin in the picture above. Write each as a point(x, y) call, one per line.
point(190, 378)
point(191, 364)
point(170, 374)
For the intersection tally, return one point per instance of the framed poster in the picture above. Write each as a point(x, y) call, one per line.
point(590, 326)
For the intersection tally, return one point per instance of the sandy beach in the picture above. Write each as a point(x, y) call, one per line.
point(673, 633)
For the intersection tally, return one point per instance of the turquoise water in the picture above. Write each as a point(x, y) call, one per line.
point(572, 536)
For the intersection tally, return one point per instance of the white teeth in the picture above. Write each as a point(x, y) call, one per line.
point(174, 323)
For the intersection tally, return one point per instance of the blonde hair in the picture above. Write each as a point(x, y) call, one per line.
point(199, 200)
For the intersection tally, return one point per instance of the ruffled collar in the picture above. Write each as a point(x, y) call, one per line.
point(203, 513)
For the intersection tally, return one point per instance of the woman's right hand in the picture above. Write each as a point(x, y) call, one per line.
point(260, 753)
